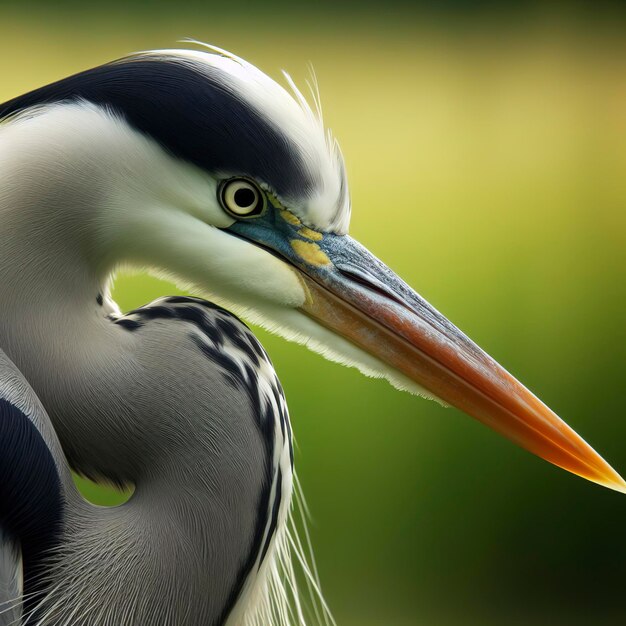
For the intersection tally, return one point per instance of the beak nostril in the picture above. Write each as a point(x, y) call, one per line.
point(368, 281)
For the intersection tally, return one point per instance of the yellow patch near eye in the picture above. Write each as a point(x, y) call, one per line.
point(277, 204)
point(290, 218)
point(309, 252)
point(308, 233)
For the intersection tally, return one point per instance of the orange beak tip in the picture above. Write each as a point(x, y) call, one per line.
point(618, 485)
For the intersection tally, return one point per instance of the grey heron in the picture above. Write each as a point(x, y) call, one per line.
point(197, 165)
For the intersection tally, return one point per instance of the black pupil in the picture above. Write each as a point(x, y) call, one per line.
point(245, 197)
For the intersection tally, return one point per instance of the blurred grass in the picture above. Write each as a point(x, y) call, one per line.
point(487, 167)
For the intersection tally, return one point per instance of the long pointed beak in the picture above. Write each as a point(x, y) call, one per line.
point(356, 296)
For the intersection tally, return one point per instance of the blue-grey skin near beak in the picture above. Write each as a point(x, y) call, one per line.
point(355, 295)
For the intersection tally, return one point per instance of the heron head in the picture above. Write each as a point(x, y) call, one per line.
point(281, 204)
point(244, 195)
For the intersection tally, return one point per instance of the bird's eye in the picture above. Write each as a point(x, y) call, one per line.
point(241, 198)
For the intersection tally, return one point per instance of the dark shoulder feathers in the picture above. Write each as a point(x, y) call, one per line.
point(31, 506)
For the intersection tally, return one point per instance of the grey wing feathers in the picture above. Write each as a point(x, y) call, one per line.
point(10, 581)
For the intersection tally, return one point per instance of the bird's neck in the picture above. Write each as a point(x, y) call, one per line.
point(69, 215)
point(80, 195)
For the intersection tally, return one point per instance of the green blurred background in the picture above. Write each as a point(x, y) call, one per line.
point(486, 151)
